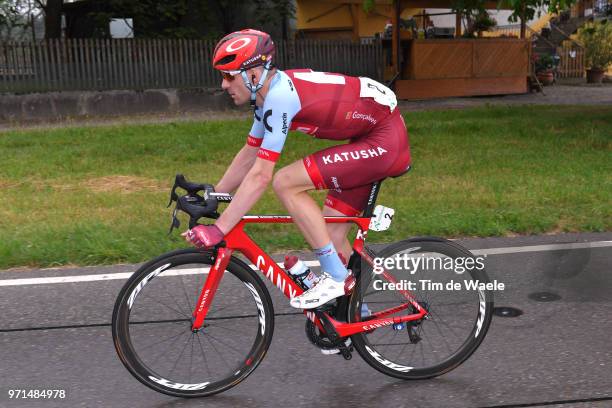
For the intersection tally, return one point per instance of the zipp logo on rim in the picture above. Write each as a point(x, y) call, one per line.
point(179, 386)
point(387, 363)
point(241, 43)
point(260, 307)
point(143, 282)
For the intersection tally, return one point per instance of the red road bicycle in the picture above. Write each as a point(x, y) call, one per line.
point(192, 322)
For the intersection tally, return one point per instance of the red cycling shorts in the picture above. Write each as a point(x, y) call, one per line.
point(349, 170)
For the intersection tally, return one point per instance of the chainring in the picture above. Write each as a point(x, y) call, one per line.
point(317, 338)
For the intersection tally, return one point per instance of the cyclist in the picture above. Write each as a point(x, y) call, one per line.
point(324, 105)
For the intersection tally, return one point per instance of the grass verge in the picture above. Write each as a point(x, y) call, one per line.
point(97, 195)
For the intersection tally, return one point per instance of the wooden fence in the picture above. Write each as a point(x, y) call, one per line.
point(100, 64)
point(571, 62)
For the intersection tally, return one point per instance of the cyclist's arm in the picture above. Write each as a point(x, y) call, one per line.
point(251, 189)
point(245, 158)
point(237, 170)
point(280, 106)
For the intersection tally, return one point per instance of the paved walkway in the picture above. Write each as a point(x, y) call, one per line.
point(565, 94)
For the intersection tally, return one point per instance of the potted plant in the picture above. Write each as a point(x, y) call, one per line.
point(596, 39)
point(544, 69)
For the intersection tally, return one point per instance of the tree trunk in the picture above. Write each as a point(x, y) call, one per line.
point(53, 18)
point(458, 25)
point(523, 22)
point(284, 27)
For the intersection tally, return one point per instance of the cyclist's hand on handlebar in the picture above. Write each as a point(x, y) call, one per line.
point(204, 236)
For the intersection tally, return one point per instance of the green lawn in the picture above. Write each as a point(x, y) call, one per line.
point(97, 195)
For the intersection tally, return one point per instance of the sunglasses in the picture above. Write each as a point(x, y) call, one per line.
point(229, 75)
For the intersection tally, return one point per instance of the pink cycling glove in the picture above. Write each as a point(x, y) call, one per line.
point(204, 236)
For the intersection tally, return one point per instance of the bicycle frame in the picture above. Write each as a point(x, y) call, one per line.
point(238, 240)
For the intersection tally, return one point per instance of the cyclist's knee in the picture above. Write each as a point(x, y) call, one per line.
point(281, 182)
point(285, 181)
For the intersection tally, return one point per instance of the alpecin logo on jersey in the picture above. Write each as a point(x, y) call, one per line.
point(285, 127)
point(361, 116)
point(354, 155)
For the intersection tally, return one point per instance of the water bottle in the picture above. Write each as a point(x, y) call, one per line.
point(300, 272)
point(365, 310)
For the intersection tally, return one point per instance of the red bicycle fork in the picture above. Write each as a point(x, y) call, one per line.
point(237, 239)
point(210, 287)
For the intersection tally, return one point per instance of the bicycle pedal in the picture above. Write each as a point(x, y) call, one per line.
point(346, 353)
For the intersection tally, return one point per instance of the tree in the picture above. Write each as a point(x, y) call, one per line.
point(53, 17)
point(471, 11)
point(275, 14)
point(596, 38)
point(9, 18)
point(525, 10)
point(14, 18)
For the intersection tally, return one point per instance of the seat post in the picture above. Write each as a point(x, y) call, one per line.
point(369, 210)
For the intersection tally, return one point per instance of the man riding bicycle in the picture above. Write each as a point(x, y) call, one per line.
point(326, 106)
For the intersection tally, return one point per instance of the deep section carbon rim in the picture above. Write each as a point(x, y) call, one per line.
point(152, 326)
point(458, 317)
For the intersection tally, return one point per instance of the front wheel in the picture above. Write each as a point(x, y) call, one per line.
point(152, 325)
point(458, 316)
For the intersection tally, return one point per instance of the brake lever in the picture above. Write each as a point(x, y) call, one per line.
point(175, 221)
point(192, 188)
point(173, 195)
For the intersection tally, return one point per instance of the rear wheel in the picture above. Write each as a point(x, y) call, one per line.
point(152, 325)
point(458, 319)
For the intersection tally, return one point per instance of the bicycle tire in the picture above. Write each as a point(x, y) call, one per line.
point(381, 361)
point(128, 334)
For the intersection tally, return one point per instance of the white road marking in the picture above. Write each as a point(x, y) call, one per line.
point(111, 276)
point(542, 248)
point(194, 271)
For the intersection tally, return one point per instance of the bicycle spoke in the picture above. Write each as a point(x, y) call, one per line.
point(174, 297)
point(441, 320)
point(179, 357)
point(145, 295)
point(223, 343)
point(152, 323)
point(185, 293)
point(204, 355)
point(441, 335)
point(165, 353)
point(403, 348)
point(217, 351)
point(191, 357)
point(163, 340)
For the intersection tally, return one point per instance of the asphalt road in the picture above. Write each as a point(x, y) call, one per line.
point(556, 354)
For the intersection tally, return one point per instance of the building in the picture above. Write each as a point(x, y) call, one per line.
point(441, 65)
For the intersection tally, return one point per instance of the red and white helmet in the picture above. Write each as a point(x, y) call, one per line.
point(242, 50)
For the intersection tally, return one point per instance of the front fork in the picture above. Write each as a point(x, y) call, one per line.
point(222, 259)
